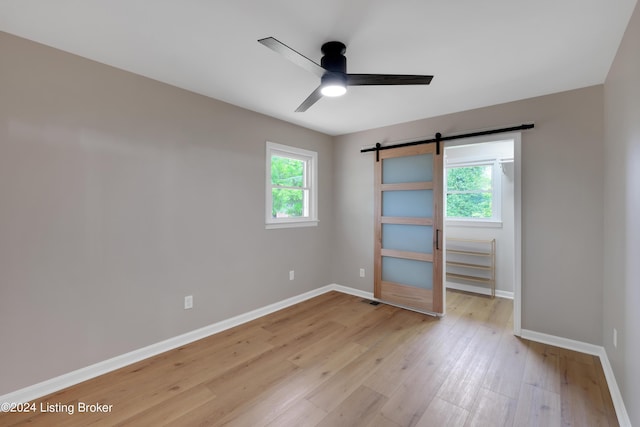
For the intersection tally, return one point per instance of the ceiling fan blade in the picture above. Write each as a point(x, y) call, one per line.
point(387, 79)
point(311, 99)
point(292, 55)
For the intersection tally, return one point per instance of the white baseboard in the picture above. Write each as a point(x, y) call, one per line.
point(478, 290)
point(579, 346)
point(616, 396)
point(596, 350)
point(52, 385)
point(351, 291)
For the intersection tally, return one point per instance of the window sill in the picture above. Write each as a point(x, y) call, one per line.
point(473, 223)
point(291, 224)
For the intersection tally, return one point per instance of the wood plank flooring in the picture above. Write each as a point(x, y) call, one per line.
point(336, 360)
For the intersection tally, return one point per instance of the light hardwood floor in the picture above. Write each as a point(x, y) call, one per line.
point(336, 360)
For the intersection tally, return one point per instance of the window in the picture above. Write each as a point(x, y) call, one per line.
point(473, 192)
point(292, 189)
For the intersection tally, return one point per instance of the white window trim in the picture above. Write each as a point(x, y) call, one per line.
point(496, 195)
point(311, 157)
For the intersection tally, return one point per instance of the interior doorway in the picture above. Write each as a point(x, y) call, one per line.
point(482, 217)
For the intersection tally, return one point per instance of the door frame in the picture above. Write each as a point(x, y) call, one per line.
point(517, 213)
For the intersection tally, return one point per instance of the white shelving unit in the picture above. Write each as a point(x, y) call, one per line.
point(473, 261)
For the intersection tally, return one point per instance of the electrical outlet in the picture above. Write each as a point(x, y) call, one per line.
point(188, 302)
point(615, 338)
point(362, 272)
point(292, 275)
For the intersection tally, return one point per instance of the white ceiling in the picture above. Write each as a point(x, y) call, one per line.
point(480, 52)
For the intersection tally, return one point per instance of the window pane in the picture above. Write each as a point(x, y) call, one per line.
point(408, 203)
point(408, 272)
point(407, 169)
point(469, 205)
point(287, 171)
point(413, 238)
point(469, 178)
point(287, 203)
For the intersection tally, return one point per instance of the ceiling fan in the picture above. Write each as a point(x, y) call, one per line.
point(332, 71)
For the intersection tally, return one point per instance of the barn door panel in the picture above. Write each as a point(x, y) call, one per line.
point(408, 235)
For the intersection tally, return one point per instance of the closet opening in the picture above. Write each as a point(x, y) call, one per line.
point(482, 217)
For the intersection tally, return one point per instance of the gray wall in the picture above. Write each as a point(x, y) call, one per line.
point(622, 217)
point(120, 195)
point(562, 204)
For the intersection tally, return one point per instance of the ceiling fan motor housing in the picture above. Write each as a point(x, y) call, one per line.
point(334, 59)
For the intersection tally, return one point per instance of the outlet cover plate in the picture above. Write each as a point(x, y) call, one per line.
point(188, 302)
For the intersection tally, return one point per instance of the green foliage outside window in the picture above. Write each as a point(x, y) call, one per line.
point(287, 179)
point(469, 192)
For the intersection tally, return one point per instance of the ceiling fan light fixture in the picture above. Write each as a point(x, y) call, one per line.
point(332, 71)
point(333, 85)
point(333, 90)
